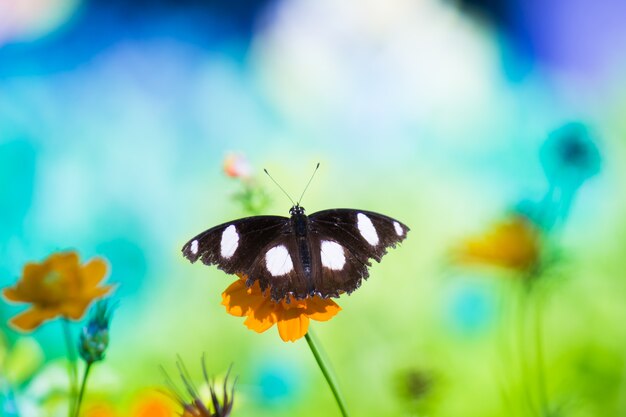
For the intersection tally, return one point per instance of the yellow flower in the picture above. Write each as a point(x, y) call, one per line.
point(100, 410)
point(513, 243)
point(58, 287)
point(291, 318)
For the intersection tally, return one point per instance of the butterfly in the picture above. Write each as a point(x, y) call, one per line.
point(325, 254)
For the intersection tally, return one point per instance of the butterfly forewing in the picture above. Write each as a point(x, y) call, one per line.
point(234, 246)
point(364, 233)
point(348, 239)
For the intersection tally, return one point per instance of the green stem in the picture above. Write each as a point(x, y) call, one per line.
point(541, 376)
point(82, 389)
point(71, 367)
point(503, 345)
point(327, 374)
point(521, 339)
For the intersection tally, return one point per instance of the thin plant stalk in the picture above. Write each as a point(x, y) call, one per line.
point(541, 376)
point(71, 367)
point(79, 401)
point(504, 345)
point(325, 368)
point(521, 339)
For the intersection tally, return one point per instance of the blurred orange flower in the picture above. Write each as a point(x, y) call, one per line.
point(59, 286)
point(291, 318)
point(513, 243)
point(154, 404)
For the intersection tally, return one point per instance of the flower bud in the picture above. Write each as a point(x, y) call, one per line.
point(94, 338)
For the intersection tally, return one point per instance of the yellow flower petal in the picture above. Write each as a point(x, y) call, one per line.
point(59, 286)
point(12, 294)
point(31, 319)
point(93, 272)
point(513, 243)
point(62, 260)
point(76, 309)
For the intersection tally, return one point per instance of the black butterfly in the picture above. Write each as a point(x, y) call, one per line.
point(323, 254)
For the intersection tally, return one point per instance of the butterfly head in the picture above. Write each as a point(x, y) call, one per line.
point(296, 209)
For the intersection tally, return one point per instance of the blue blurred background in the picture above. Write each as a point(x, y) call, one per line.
point(115, 117)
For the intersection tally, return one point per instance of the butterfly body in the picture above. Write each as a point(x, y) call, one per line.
point(324, 254)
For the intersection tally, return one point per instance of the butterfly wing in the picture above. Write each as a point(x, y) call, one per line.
point(234, 246)
point(261, 247)
point(279, 268)
point(346, 240)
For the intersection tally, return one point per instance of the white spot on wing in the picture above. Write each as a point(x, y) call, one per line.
point(367, 229)
point(278, 261)
point(194, 247)
point(398, 228)
point(230, 241)
point(333, 256)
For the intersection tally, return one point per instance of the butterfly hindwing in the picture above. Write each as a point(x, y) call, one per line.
point(348, 239)
point(234, 246)
point(278, 267)
point(339, 269)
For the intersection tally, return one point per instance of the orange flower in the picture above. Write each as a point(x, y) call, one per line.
point(154, 404)
point(59, 286)
point(513, 243)
point(292, 318)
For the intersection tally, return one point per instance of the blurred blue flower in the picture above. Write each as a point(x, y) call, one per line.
point(277, 382)
point(471, 308)
point(569, 156)
point(8, 406)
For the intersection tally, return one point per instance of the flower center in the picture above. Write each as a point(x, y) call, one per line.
point(53, 290)
point(51, 278)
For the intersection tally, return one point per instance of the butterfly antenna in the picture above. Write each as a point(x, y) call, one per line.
point(278, 185)
point(308, 183)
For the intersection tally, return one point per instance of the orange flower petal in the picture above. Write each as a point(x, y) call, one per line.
point(262, 317)
point(93, 272)
point(152, 405)
point(257, 325)
point(320, 309)
point(239, 299)
point(292, 325)
point(32, 318)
